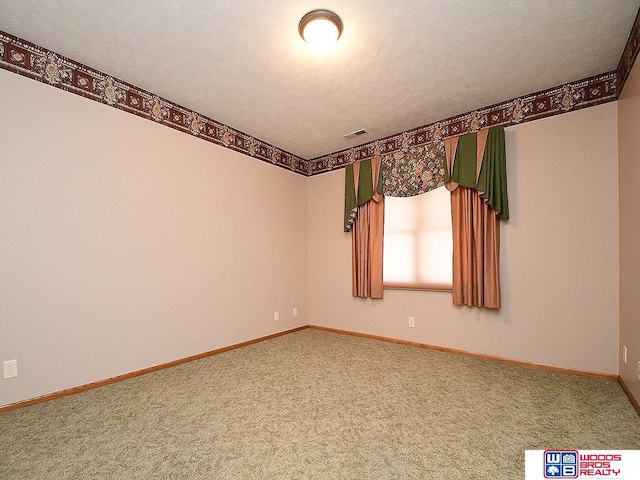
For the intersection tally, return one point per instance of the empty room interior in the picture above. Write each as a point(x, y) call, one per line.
point(180, 264)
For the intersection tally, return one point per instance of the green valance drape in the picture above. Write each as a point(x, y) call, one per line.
point(358, 189)
point(482, 168)
point(493, 175)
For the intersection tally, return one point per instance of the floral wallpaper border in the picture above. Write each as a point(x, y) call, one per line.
point(565, 98)
point(37, 63)
point(629, 54)
point(32, 61)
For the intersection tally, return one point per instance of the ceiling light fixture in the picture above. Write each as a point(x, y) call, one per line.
point(321, 29)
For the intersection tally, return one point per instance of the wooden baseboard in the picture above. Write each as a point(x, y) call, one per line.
point(586, 373)
point(137, 373)
point(632, 399)
point(126, 376)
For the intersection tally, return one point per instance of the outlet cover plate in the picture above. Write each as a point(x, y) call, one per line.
point(624, 353)
point(10, 368)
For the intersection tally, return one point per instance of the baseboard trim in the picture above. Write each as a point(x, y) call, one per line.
point(101, 383)
point(584, 373)
point(630, 396)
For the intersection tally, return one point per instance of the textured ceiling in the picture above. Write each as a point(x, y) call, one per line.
point(397, 66)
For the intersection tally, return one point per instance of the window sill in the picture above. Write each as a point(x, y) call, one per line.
point(418, 287)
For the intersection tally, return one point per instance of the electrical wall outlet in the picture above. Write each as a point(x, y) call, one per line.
point(276, 316)
point(295, 311)
point(10, 368)
point(638, 370)
point(412, 322)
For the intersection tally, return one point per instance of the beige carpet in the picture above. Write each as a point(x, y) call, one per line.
point(318, 405)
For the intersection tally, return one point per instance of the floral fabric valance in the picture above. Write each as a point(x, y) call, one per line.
point(415, 171)
point(475, 160)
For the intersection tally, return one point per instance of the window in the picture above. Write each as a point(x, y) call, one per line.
point(418, 246)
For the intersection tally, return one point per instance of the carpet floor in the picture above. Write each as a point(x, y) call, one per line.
point(318, 405)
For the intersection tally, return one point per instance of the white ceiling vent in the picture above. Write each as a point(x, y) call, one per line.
point(355, 134)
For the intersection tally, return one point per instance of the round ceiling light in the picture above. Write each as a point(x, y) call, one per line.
point(321, 29)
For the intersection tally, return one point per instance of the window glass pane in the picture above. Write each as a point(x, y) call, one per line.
point(435, 257)
point(400, 214)
point(417, 240)
point(399, 253)
point(434, 209)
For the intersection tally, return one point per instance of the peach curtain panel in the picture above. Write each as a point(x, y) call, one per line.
point(364, 217)
point(476, 250)
point(476, 171)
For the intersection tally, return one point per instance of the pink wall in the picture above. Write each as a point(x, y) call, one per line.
point(559, 251)
point(629, 164)
point(125, 244)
